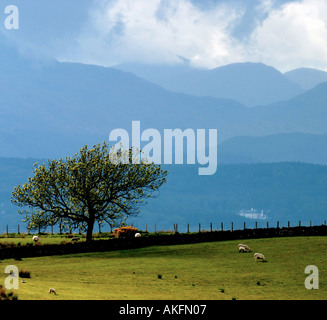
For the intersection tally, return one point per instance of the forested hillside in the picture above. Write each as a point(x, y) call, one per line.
point(285, 191)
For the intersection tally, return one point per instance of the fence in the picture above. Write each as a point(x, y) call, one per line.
point(231, 226)
point(184, 228)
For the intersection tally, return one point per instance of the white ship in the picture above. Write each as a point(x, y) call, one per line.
point(252, 214)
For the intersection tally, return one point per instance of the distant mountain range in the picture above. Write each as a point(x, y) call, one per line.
point(57, 109)
point(306, 78)
point(51, 109)
point(251, 84)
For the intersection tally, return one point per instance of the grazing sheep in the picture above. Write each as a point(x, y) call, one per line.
point(35, 238)
point(259, 256)
point(242, 249)
point(137, 235)
point(51, 290)
point(244, 246)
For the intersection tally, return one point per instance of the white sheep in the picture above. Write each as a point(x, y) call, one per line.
point(137, 235)
point(242, 249)
point(244, 246)
point(35, 238)
point(51, 290)
point(259, 256)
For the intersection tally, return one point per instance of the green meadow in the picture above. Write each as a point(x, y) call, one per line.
point(204, 271)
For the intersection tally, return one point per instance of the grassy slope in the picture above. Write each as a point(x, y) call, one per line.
point(202, 270)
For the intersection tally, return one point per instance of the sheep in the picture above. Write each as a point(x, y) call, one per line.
point(242, 249)
point(244, 246)
point(137, 235)
point(35, 238)
point(259, 256)
point(51, 290)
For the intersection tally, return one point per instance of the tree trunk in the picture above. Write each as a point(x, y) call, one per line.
point(89, 231)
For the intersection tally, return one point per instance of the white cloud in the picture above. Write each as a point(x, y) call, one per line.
point(292, 36)
point(286, 36)
point(158, 31)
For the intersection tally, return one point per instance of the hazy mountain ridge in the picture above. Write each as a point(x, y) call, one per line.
point(282, 147)
point(306, 78)
point(249, 83)
point(55, 109)
point(52, 109)
point(77, 104)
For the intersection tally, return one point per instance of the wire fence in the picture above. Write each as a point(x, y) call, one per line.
point(179, 227)
point(231, 226)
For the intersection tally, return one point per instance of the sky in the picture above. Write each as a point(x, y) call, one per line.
point(206, 33)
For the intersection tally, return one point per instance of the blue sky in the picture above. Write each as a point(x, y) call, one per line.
point(209, 33)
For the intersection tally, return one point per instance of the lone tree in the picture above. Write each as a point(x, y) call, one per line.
point(100, 184)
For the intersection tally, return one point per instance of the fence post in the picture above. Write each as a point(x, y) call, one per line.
point(210, 226)
point(256, 224)
point(199, 227)
point(299, 223)
point(232, 226)
point(277, 224)
point(7, 229)
point(244, 225)
point(288, 224)
point(267, 225)
point(18, 229)
point(188, 228)
point(222, 227)
point(146, 228)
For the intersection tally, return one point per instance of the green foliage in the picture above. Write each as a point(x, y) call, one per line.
point(98, 184)
point(7, 296)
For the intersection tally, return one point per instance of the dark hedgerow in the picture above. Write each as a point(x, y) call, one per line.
point(24, 274)
point(11, 251)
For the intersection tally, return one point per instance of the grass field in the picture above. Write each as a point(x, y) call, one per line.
point(206, 271)
point(24, 238)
